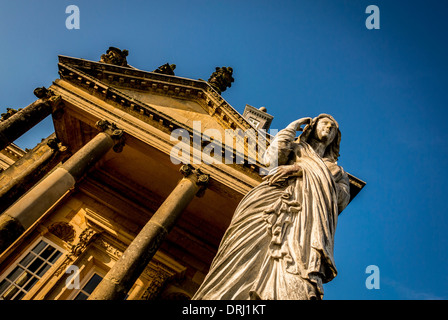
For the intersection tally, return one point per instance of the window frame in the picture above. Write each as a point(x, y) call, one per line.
point(18, 260)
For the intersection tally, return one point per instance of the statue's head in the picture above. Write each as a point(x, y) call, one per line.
point(325, 129)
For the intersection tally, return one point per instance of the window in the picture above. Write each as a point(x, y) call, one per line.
point(29, 270)
point(254, 122)
point(88, 288)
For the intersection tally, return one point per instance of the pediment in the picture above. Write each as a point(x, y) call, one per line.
point(183, 110)
point(167, 102)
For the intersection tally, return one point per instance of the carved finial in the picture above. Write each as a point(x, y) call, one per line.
point(166, 69)
point(221, 79)
point(115, 56)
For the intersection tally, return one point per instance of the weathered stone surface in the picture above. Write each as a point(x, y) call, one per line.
point(10, 230)
point(279, 245)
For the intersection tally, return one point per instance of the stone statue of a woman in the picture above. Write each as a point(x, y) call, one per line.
point(279, 244)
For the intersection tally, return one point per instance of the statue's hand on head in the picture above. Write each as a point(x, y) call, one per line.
point(296, 124)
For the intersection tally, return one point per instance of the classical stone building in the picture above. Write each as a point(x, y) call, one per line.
point(104, 202)
point(10, 155)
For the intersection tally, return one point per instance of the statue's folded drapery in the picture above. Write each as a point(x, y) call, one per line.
point(279, 244)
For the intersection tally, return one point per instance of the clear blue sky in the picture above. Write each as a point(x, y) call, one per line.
point(386, 88)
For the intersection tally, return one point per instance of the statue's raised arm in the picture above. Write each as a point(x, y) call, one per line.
point(280, 147)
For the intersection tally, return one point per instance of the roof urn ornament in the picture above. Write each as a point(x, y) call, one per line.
point(221, 79)
point(166, 69)
point(115, 56)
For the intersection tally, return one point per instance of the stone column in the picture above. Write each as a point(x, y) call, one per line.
point(21, 121)
point(31, 206)
point(28, 170)
point(120, 278)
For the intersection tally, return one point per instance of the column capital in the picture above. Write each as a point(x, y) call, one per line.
point(115, 133)
point(202, 179)
point(48, 95)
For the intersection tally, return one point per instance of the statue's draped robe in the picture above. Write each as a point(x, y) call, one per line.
point(279, 244)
